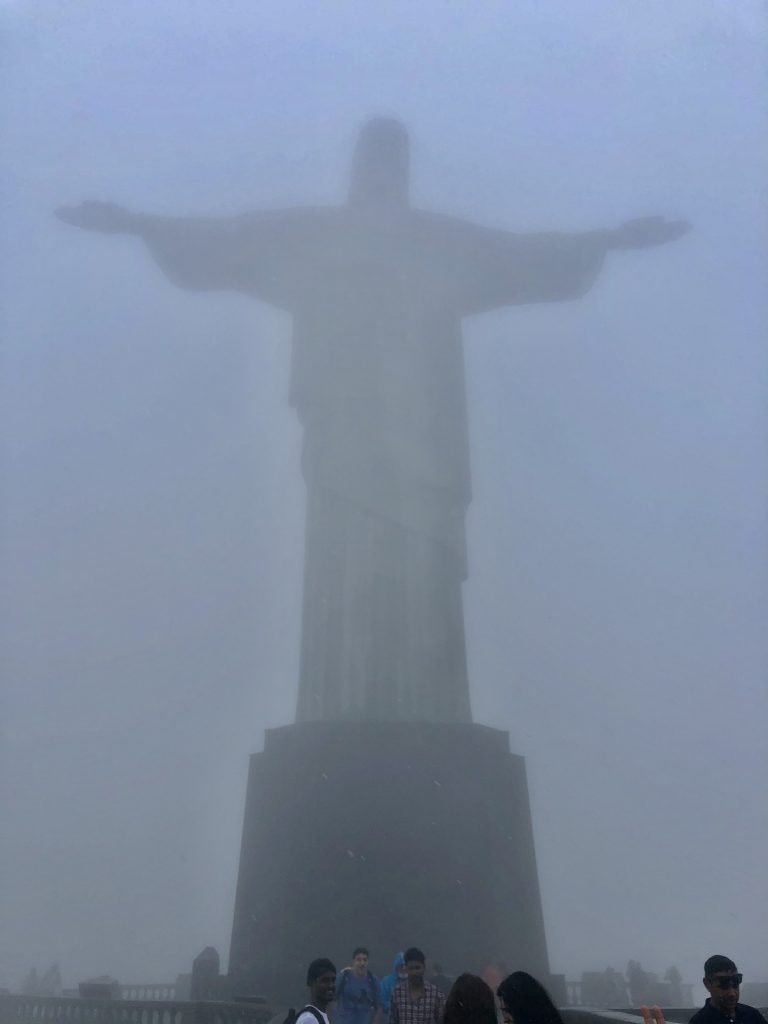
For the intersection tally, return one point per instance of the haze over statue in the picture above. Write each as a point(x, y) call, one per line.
point(378, 291)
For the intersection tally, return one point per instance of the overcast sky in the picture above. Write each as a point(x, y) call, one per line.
point(153, 506)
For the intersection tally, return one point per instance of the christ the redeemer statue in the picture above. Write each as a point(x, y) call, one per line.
point(378, 291)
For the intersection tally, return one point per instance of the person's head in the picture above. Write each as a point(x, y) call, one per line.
point(360, 960)
point(321, 981)
point(380, 166)
point(398, 967)
point(415, 962)
point(470, 1001)
point(525, 1001)
point(722, 980)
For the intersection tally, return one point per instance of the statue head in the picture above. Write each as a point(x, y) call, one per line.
point(380, 165)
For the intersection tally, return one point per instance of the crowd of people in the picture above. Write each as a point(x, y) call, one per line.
point(407, 996)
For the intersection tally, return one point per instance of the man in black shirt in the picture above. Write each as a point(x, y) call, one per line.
point(722, 980)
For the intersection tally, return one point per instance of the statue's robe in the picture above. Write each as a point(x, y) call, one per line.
point(377, 380)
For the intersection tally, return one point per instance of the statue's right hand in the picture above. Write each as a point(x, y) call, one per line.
point(95, 216)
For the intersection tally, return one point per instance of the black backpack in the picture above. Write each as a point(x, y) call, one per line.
point(292, 1016)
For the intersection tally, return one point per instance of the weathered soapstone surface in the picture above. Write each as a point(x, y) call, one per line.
point(388, 835)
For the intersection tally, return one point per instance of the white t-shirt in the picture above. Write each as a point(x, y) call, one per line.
point(309, 1018)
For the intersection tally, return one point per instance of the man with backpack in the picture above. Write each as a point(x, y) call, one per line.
point(321, 980)
point(358, 992)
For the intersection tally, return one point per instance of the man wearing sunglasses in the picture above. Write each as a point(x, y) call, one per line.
point(722, 980)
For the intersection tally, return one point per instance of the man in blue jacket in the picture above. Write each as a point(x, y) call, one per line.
point(398, 973)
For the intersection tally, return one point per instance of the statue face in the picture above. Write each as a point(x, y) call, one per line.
point(380, 165)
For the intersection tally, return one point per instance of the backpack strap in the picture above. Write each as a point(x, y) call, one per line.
point(314, 1011)
point(372, 987)
point(343, 983)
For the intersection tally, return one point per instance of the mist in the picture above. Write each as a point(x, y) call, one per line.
point(154, 508)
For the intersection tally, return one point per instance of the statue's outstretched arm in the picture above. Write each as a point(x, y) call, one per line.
point(499, 268)
point(199, 253)
point(645, 232)
point(257, 253)
point(108, 218)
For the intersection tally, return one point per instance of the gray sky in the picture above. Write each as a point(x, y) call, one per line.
point(153, 511)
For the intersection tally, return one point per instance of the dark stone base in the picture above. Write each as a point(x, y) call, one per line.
point(384, 835)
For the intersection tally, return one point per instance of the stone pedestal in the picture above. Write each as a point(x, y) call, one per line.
point(384, 835)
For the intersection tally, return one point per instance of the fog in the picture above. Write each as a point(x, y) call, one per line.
point(153, 519)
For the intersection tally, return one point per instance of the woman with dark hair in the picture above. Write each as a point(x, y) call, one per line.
point(525, 1001)
point(470, 1001)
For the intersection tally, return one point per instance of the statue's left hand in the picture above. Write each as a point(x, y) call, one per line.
point(648, 231)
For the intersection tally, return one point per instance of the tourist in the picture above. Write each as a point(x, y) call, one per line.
point(525, 1001)
point(321, 980)
point(470, 1001)
point(416, 1000)
point(440, 979)
point(494, 974)
point(388, 983)
point(722, 980)
point(358, 992)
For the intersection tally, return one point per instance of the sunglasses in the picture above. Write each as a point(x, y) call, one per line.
point(732, 981)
